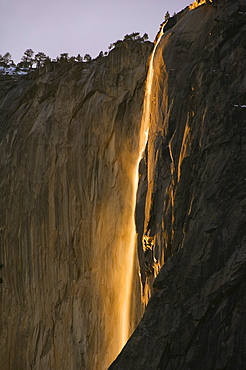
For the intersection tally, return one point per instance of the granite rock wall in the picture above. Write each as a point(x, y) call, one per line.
point(191, 209)
point(69, 147)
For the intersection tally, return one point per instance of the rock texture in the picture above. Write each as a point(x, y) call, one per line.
point(192, 193)
point(69, 147)
point(69, 150)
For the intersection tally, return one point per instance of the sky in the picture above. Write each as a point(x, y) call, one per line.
point(77, 26)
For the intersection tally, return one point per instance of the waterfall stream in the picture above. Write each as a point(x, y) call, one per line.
point(143, 138)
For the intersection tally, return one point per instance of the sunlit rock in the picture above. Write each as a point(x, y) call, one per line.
point(69, 157)
point(71, 143)
point(192, 192)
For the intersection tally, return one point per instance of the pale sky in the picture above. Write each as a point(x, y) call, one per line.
point(77, 26)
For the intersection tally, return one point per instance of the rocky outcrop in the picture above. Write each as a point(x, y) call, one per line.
point(192, 192)
point(69, 147)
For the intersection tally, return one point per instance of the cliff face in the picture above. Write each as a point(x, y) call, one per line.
point(192, 192)
point(70, 145)
point(69, 150)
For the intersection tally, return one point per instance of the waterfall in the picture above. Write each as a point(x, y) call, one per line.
point(143, 138)
point(148, 89)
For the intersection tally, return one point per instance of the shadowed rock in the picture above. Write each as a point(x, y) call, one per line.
point(193, 189)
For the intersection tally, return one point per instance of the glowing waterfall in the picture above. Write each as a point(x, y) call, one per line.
point(147, 99)
point(143, 137)
point(197, 3)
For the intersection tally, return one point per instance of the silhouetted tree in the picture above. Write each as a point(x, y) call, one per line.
point(87, 58)
point(79, 58)
point(27, 59)
point(72, 59)
point(111, 46)
point(40, 59)
point(100, 55)
point(64, 55)
point(127, 37)
point(29, 56)
point(167, 15)
point(145, 37)
point(1, 61)
point(63, 58)
point(21, 64)
point(6, 60)
point(135, 36)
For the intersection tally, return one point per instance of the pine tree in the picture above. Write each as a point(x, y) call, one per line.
point(40, 59)
point(167, 15)
point(6, 60)
point(79, 58)
point(87, 58)
point(145, 36)
point(27, 59)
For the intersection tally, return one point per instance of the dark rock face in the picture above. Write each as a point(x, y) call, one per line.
point(192, 187)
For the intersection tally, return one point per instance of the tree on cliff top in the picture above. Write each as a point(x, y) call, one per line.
point(167, 15)
point(87, 58)
point(79, 58)
point(27, 59)
point(134, 36)
point(40, 59)
point(6, 60)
